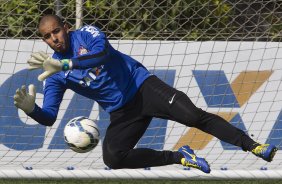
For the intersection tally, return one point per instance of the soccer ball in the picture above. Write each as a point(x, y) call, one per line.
point(81, 134)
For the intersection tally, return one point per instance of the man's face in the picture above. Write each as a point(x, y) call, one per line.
point(55, 35)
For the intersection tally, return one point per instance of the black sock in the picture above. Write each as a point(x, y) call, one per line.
point(177, 156)
point(253, 146)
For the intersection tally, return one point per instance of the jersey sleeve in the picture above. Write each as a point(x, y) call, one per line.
point(53, 95)
point(97, 46)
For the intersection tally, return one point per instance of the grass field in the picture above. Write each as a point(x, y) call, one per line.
point(105, 181)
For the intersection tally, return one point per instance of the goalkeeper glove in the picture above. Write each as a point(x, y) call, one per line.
point(24, 100)
point(50, 65)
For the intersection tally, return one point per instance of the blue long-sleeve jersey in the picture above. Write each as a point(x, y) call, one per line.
point(99, 72)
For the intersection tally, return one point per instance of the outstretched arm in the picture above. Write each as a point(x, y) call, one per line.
point(97, 45)
point(53, 94)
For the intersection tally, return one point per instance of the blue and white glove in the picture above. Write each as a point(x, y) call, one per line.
point(51, 66)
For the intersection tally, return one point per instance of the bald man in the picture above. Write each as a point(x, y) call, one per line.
point(61, 42)
point(85, 62)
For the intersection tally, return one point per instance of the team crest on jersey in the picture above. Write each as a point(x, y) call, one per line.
point(82, 50)
point(97, 70)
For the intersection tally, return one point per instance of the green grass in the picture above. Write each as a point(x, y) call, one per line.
point(135, 181)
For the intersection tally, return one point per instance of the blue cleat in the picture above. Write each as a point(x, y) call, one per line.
point(265, 151)
point(191, 160)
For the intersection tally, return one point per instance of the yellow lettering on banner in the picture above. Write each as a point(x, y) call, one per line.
point(247, 83)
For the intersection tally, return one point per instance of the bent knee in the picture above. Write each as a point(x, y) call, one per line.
point(112, 163)
point(114, 159)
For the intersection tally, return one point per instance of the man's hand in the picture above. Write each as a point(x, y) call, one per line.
point(50, 65)
point(24, 100)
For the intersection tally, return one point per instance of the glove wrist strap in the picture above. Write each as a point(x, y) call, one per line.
point(65, 64)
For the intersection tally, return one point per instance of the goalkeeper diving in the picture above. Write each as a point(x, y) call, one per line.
point(84, 61)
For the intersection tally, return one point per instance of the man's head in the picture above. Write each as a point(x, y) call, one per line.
point(54, 32)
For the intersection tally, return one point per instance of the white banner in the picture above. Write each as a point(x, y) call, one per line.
point(240, 81)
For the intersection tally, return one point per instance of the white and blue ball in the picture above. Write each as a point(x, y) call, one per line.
point(81, 134)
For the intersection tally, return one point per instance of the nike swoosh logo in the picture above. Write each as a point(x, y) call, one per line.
point(171, 100)
point(67, 72)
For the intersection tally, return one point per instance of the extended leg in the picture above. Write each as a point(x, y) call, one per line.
point(184, 111)
point(169, 103)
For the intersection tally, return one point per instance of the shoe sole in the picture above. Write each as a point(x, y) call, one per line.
point(192, 166)
point(272, 154)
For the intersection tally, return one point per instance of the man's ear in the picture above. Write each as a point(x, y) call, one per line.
point(66, 28)
point(43, 39)
point(40, 35)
